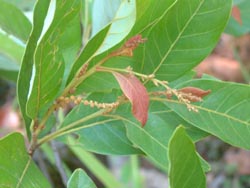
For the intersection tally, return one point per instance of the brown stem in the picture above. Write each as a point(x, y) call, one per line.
point(33, 138)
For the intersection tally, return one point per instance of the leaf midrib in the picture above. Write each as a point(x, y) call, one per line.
point(19, 183)
point(211, 111)
point(177, 38)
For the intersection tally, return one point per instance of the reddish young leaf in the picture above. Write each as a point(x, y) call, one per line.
point(236, 14)
point(137, 94)
point(196, 92)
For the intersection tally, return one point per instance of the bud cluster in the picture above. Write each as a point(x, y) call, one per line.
point(185, 95)
point(62, 102)
point(128, 48)
point(83, 70)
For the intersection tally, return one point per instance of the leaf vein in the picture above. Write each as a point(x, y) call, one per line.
point(178, 37)
point(23, 174)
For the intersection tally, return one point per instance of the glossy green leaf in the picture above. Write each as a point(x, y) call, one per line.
point(152, 147)
point(185, 167)
point(153, 139)
point(171, 120)
point(13, 21)
point(223, 113)
point(108, 37)
point(235, 28)
point(97, 134)
point(149, 13)
point(93, 164)
point(146, 16)
point(98, 82)
point(110, 135)
point(79, 179)
point(70, 44)
point(171, 37)
point(25, 72)
point(17, 168)
point(103, 12)
point(88, 52)
point(177, 34)
point(121, 25)
point(49, 62)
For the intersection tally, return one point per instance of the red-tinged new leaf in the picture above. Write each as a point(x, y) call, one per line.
point(137, 94)
point(236, 14)
point(196, 93)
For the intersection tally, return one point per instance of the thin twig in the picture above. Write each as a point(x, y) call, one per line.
point(58, 162)
point(42, 165)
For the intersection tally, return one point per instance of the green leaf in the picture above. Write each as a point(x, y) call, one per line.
point(146, 16)
point(185, 167)
point(79, 179)
point(26, 5)
point(170, 120)
point(223, 113)
point(179, 40)
point(162, 123)
point(13, 21)
point(98, 82)
point(150, 145)
point(10, 57)
point(25, 72)
point(16, 167)
point(8, 68)
point(11, 48)
point(93, 164)
point(149, 13)
point(49, 62)
point(105, 39)
point(88, 52)
point(103, 12)
point(154, 138)
point(8, 75)
point(70, 44)
point(121, 25)
point(98, 134)
point(171, 37)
